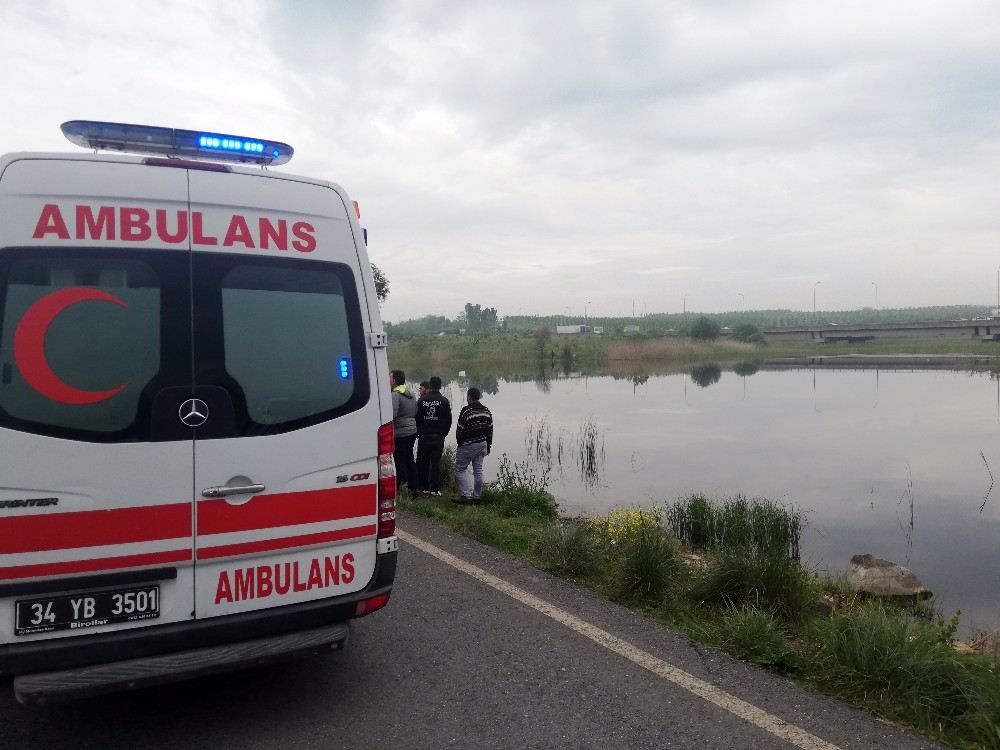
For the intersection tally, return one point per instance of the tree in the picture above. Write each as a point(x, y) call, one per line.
point(381, 283)
point(748, 333)
point(705, 329)
point(542, 338)
point(478, 318)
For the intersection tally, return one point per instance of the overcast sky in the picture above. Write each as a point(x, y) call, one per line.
point(536, 156)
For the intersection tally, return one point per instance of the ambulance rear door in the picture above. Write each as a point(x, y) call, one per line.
point(95, 469)
point(286, 462)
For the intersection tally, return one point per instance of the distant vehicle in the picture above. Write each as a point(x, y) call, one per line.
point(573, 329)
point(195, 419)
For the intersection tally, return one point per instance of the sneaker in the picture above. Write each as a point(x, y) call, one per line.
point(435, 493)
point(463, 500)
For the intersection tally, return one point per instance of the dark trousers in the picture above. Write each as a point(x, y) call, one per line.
point(429, 450)
point(406, 469)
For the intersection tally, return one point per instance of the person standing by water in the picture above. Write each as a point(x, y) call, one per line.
point(433, 425)
point(404, 429)
point(474, 433)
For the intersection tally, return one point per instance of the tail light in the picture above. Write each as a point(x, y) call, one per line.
point(365, 606)
point(386, 482)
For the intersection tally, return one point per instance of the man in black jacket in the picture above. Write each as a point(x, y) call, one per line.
point(474, 433)
point(433, 426)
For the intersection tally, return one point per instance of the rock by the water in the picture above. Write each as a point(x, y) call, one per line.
point(878, 577)
point(988, 644)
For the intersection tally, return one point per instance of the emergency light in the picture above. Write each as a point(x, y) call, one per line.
point(191, 144)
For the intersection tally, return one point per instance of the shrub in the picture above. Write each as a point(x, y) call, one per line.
point(884, 658)
point(705, 329)
point(521, 491)
point(568, 548)
point(648, 563)
point(624, 523)
point(755, 636)
point(748, 333)
point(772, 583)
point(749, 526)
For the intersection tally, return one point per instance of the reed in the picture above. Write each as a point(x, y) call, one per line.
point(749, 526)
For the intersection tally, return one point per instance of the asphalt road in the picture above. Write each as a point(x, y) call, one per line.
point(452, 662)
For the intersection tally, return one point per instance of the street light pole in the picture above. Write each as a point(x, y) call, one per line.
point(876, 290)
point(814, 294)
point(585, 311)
point(743, 299)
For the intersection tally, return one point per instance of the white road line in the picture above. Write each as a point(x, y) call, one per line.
point(722, 699)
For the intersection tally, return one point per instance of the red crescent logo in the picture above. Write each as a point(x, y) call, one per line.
point(29, 346)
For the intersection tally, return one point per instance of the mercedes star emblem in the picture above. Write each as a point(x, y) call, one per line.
point(193, 412)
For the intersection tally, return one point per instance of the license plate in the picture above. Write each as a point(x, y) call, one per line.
point(81, 611)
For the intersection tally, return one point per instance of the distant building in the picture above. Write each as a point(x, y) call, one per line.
point(630, 330)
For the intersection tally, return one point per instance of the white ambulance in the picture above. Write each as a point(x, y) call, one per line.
point(195, 426)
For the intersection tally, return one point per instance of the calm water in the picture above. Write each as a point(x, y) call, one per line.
point(893, 462)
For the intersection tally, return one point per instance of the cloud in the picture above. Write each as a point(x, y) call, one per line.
point(531, 155)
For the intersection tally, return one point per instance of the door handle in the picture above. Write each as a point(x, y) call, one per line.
point(225, 491)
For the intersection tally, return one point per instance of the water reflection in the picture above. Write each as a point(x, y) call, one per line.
point(706, 375)
point(549, 449)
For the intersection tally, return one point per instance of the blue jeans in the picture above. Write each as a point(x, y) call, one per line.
point(473, 453)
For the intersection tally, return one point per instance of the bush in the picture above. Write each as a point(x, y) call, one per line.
point(521, 491)
point(740, 525)
point(881, 657)
point(622, 524)
point(754, 636)
point(568, 548)
point(705, 329)
point(771, 583)
point(648, 563)
point(748, 333)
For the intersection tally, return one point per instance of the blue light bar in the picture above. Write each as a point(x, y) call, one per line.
point(345, 369)
point(190, 144)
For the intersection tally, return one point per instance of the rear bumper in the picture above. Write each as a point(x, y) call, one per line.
point(131, 674)
point(141, 643)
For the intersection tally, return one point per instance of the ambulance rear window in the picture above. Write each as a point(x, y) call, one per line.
point(292, 344)
point(79, 341)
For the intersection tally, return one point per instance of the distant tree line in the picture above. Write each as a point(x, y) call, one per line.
point(743, 326)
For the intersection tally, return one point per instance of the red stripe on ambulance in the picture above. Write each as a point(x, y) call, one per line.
point(286, 509)
point(97, 564)
point(94, 528)
point(288, 542)
point(136, 224)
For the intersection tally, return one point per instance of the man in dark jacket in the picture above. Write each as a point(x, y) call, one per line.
point(433, 426)
point(404, 429)
point(474, 433)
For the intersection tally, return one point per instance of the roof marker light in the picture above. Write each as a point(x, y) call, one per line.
point(190, 144)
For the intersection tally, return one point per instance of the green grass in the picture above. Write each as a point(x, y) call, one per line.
point(901, 667)
point(568, 548)
point(774, 584)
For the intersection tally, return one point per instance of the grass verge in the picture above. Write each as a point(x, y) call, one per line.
point(741, 589)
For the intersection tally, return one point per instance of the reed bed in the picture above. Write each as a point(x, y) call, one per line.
point(740, 525)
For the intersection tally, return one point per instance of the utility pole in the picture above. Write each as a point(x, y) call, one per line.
point(814, 294)
point(876, 289)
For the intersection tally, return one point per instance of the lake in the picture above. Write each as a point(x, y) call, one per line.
point(896, 461)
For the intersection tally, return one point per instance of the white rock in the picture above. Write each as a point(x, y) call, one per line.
point(873, 575)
